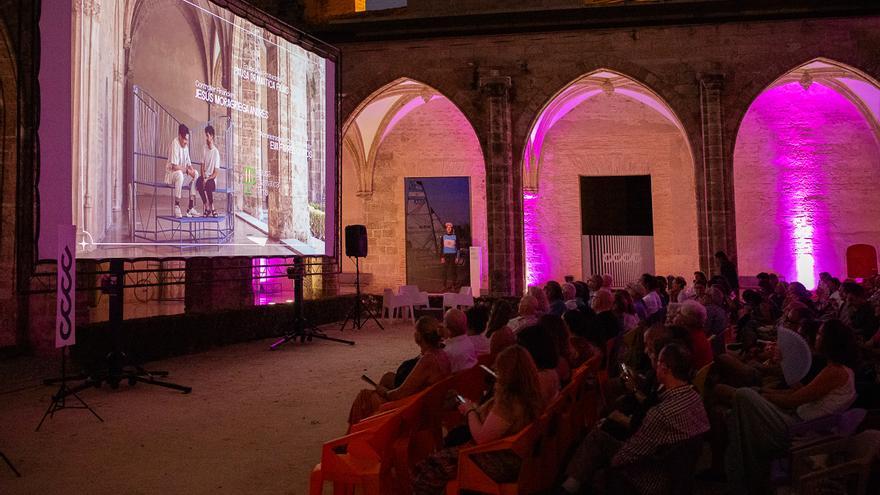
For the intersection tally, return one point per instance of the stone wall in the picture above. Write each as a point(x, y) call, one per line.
point(708, 74)
point(614, 135)
point(434, 140)
point(806, 165)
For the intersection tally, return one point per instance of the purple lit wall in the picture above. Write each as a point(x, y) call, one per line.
point(616, 134)
point(806, 168)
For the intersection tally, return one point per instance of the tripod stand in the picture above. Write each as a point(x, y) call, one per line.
point(9, 463)
point(355, 313)
point(119, 366)
point(59, 398)
point(302, 328)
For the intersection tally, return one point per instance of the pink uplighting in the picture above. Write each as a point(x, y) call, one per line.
point(535, 248)
point(812, 149)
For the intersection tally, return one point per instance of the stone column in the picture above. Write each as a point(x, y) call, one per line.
point(715, 209)
point(503, 187)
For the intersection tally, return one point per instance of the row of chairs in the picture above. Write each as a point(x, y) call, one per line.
point(409, 297)
point(377, 455)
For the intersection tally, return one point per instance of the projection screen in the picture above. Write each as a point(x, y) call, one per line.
point(179, 128)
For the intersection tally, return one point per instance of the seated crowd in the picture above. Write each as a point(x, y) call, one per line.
point(769, 357)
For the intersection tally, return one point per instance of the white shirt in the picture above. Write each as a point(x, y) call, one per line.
point(515, 324)
point(212, 161)
point(481, 344)
point(652, 303)
point(461, 352)
point(179, 156)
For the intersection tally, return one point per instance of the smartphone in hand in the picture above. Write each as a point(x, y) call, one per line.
point(488, 370)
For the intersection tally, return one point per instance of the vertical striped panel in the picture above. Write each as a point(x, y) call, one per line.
point(623, 257)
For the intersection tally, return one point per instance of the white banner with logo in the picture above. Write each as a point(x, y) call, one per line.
point(65, 325)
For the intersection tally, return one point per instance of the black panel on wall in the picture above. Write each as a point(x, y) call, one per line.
point(616, 205)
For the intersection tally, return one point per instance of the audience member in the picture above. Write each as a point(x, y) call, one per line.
point(572, 301)
point(459, 347)
point(477, 319)
point(678, 415)
point(497, 329)
point(652, 300)
point(538, 341)
point(692, 317)
point(515, 404)
point(760, 421)
point(527, 314)
point(542, 305)
point(432, 366)
point(727, 270)
point(554, 298)
point(624, 310)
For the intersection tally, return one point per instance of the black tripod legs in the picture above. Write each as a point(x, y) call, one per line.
point(59, 402)
point(304, 331)
point(356, 317)
point(9, 463)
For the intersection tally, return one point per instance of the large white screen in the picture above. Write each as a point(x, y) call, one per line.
point(141, 69)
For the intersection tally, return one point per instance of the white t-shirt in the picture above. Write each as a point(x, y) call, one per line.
point(212, 161)
point(461, 352)
point(179, 156)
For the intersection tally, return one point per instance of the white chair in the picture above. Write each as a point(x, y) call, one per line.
point(393, 305)
point(416, 297)
point(463, 299)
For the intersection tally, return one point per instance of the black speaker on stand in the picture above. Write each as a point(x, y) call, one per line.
point(356, 247)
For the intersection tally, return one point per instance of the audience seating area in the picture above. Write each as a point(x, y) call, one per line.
point(377, 455)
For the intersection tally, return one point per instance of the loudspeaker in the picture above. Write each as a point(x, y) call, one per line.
point(356, 241)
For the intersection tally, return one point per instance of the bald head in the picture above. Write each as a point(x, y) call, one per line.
point(455, 322)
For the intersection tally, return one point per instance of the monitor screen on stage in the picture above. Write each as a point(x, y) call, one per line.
point(191, 132)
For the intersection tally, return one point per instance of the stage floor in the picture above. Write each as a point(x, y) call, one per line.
point(254, 423)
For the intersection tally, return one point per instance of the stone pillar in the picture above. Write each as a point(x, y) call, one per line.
point(503, 187)
point(717, 226)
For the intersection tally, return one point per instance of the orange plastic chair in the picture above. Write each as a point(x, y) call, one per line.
point(359, 459)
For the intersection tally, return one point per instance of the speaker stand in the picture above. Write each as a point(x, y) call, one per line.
point(302, 328)
point(355, 314)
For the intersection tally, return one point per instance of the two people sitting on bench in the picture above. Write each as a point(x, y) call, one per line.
point(180, 169)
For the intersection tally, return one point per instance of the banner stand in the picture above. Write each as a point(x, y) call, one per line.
point(59, 399)
point(65, 324)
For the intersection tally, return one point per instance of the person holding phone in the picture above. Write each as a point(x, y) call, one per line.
point(516, 403)
point(433, 365)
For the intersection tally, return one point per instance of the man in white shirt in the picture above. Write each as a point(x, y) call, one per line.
point(527, 314)
point(178, 160)
point(652, 300)
point(206, 184)
point(459, 347)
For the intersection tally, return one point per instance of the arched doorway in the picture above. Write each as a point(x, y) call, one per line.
point(404, 141)
point(605, 124)
point(806, 165)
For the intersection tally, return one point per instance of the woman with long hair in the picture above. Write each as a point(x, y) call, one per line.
point(499, 333)
point(433, 365)
point(624, 310)
point(516, 403)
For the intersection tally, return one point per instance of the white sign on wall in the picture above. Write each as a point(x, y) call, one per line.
point(476, 264)
point(65, 325)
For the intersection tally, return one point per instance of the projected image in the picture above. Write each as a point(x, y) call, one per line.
point(438, 233)
point(212, 136)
